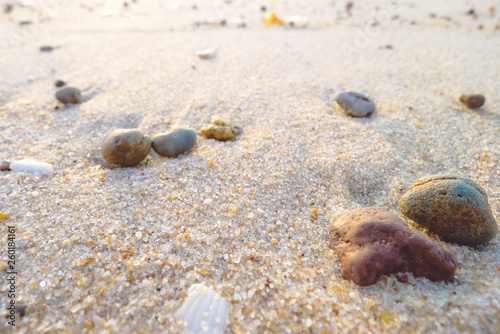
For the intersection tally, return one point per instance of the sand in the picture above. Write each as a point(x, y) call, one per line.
point(114, 250)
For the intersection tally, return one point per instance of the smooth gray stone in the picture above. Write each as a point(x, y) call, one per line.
point(175, 142)
point(69, 95)
point(355, 104)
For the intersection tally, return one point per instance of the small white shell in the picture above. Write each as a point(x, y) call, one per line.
point(206, 54)
point(204, 311)
point(31, 167)
point(297, 21)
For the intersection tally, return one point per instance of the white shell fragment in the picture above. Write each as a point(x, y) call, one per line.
point(31, 167)
point(206, 53)
point(204, 311)
point(297, 21)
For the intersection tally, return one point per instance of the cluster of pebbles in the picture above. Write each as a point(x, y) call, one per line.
point(358, 105)
point(372, 243)
point(128, 147)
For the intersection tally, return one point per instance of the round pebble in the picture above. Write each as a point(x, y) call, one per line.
point(473, 101)
point(126, 147)
point(175, 142)
point(59, 83)
point(355, 104)
point(69, 95)
point(454, 207)
point(4, 166)
point(219, 129)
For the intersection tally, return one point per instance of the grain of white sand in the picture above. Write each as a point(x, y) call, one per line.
point(124, 245)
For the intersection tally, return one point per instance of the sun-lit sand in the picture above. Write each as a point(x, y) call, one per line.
point(102, 249)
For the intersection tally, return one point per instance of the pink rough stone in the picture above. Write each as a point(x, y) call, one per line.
point(371, 242)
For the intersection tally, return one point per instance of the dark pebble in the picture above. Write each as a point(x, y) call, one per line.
point(473, 101)
point(59, 83)
point(46, 48)
point(5, 166)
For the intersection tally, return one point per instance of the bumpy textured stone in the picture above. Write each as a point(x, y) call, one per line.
point(126, 147)
point(371, 242)
point(473, 101)
point(69, 95)
point(355, 104)
point(219, 129)
point(175, 142)
point(454, 207)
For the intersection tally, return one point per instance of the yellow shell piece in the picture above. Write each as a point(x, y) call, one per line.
point(271, 18)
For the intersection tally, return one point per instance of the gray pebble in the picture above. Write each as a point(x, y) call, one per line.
point(69, 95)
point(355, 104)
point(59, 83)
point(4, 166)
point(454, 207)
point(126, 147)
point(175, 142)
point(46, 48)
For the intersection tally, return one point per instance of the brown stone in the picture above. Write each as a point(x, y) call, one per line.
point(126, 147)
point(371, 242)
point(473, 101)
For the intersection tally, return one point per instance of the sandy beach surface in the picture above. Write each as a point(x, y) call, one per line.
point(102, 249)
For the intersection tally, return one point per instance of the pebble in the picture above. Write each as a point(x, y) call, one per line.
point(219, 129)
point(454, 207)
point(46, 48)
point(371, 242)
point(175, 142)
point(355, 104)
point(31, 167)
point(59, 83)
point(126, 147)
point(5, 166)
point(69, 95)
point(473, 101)
point(206, 53)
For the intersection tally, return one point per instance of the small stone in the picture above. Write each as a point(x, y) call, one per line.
point(473, 101)
point(355, 104)
point(219, 129)
point(59, 83)
point(126, 147)
point(371, 242)
point(31, 167)
point(206, 53)
point(21, 309)
point(454, 207)
point(4, 166)
point(46, 48)
point(175, 142)
point(69, 95)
